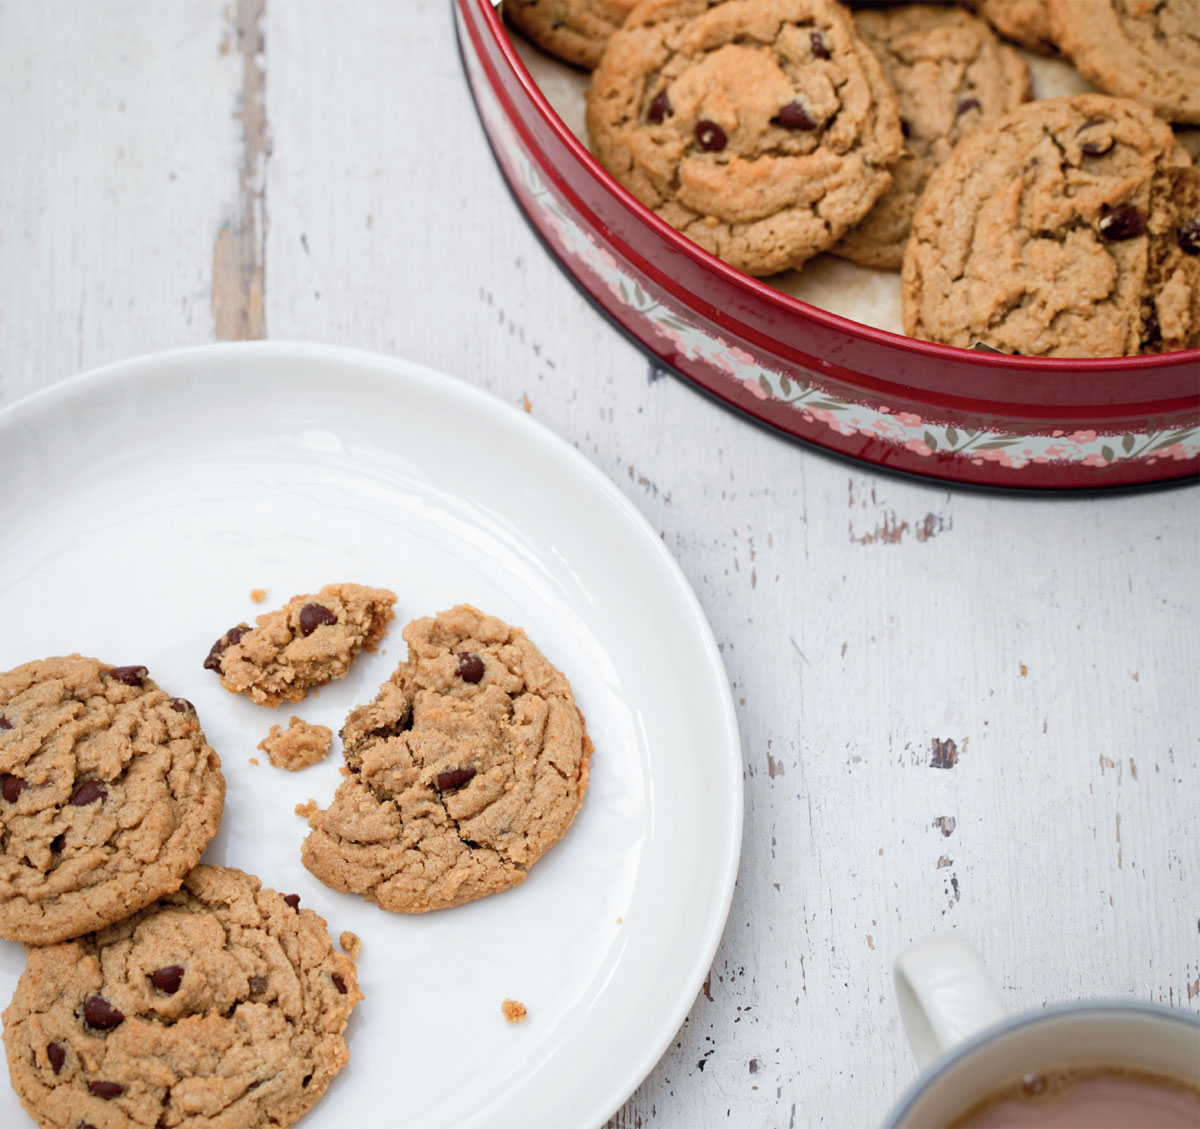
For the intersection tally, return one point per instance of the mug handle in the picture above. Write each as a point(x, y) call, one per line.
point(945, 993)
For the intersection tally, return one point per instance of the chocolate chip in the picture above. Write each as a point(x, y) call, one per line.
point(1151, 330)
point(233, 635)
point(818, 45)
point(660, 108)
point(58, 842)
point(795, 116)
point(167, 979)
point(1188, 236)
point(1096, 148)
point(980, 347)
point(130, 675)
point(57, 1056)
point(4, 722)
point(12, 785)
point(181, 705)
point(100, 1014)
point(313, 616)
point(966, 104)
point(85, 1125)
point(106, 1090)
point(905, 128)
point(470, 667)
point(88, 793)
point(254, 1085)
point(1122, 221)
point(306, 1080)
point(293, 900)
point(455, 778)
point(339, 983)
point(258, 984)
point(710, 136)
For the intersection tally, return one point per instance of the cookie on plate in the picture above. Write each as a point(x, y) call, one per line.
point(109, 794)
point(1026, 22)
point(575, 31)
point(223, 1003)
point(951, 74)
point(761, 129)
point(1148, 50)
point(466, 768)
point(1060, 230)
point(311, 640)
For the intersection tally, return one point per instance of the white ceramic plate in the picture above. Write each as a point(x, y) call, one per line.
point(141, 503)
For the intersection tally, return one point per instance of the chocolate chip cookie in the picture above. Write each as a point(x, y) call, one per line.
point(761, 129)
point(575, 31)
point(312, 640)
point(109, 794)
point(466, 768)
point(1148, 50)
point(951, 74)
point(1059, 230)
point(221, 1004)
point(1026, 22)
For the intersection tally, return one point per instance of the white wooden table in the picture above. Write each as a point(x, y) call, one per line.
point(175, 174)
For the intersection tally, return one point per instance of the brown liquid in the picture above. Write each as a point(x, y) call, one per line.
point(1088, 1098)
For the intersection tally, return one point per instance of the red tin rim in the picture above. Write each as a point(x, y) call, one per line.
point(785, 303)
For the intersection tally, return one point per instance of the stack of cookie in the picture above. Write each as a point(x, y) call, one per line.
point(162, 992)
point(156, 991)
point(896, 136)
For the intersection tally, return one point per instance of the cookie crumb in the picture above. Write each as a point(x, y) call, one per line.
point(298, 746)
point(254, 760)
point(344, 770)
point(306, 810)
point(258, 595)
point(351, 943)
point(620, 921)
point(514, 1010)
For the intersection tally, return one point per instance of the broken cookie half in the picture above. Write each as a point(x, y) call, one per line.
point(311, 640)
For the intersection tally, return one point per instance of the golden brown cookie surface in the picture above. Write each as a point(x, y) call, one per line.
point(109, 794)
point(1148, 50)
point(466, 768)
point(311, 640)
point(1061, 230)
point(223, 1003)
point(951, 74)
point(1026, 22)
point(576, 31)
point(761, 129)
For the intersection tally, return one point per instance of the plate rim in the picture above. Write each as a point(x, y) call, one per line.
point(162, 364)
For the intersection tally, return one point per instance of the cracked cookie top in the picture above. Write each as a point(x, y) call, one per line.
point(109, 794)
point(761, 129)
point(1148, 50)
point(466, 768)
point(951, 74)
point(311, 640)
point(573, 30)
point(1063, 229)
point(223, 1003)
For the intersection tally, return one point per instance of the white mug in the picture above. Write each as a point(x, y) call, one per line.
point(967, 1048)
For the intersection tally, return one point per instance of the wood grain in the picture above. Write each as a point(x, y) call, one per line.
point(959, 710)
